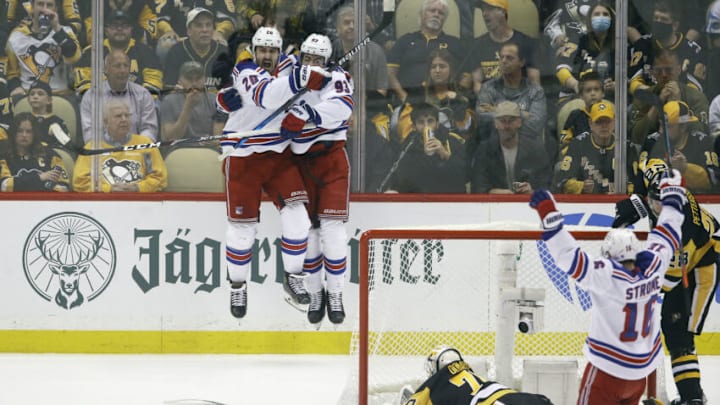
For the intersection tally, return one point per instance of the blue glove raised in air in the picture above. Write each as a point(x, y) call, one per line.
point(544, 203)
point(229, 100)
point(293, 123)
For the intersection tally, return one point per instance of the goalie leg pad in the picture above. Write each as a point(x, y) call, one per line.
point(334, 245)
point(239, 240)
point(295, 228)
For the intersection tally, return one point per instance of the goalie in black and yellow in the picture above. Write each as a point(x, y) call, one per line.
point(453, 382)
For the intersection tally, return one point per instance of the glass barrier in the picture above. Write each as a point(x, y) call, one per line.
point(476, 96)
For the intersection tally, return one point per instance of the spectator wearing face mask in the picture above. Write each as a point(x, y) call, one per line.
point(666, 35)
point(594, 51)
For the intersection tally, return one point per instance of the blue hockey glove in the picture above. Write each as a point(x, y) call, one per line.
point(229, 100)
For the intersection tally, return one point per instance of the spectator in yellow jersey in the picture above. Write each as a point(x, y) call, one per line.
point(131, 171)
point(42, 50)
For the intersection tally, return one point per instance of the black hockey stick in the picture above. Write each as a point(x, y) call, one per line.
point(388, 15)
point(176, 142)
point(397, 161)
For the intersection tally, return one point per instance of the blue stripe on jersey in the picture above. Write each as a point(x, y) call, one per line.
point(347, 100)
point(310, 135)
point(578, 267)
point(259, 92)
point(622, 357)
point(668, 234)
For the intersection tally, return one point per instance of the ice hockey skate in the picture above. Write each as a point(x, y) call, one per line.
point(316, 309)
point(296, 293)
point(335, 308)
point(238, 299)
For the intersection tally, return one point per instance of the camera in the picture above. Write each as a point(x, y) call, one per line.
point(530, 317)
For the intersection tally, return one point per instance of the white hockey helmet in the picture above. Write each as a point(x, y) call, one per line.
point(440, 357)
point(267, 36)
point(317, 44)
point(620, 244)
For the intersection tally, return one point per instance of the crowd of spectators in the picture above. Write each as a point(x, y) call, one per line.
point(479, 105)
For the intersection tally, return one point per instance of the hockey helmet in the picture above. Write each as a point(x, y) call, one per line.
point(317, 44)
point(620, 244)
point(653, 170)
point(267, 36)
point(440, 357)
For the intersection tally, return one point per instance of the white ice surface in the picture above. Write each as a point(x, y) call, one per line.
point(59, 379)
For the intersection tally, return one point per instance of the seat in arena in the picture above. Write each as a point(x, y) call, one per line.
point(194, 170)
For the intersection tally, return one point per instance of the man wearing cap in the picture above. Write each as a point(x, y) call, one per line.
point(190, 110)
point(199, 46)
point(507, 162)
point(145, 68)
point(41, 50)
point(670, 86)
point(587, 167)
point(176, 14)
point(693, 152)
point(482, 60)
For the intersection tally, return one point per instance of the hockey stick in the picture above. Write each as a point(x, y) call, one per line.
point(388, 15)
point(177, 142)
point(395, 165)
point(648, 97)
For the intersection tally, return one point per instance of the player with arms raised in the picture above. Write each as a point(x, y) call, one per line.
point(323, 162)
point(623, 345)
point(684, 308)
point(263, 163)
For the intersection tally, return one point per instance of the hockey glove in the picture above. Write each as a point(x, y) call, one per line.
point(229, 100)
point(629, 211)
point(312, 77)
point(543, 201)
point(672, 192)
point(295, 120)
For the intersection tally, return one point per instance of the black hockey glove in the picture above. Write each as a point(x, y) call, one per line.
point(629, 211)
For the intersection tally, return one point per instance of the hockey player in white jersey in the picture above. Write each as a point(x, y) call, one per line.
point(323, 163)
point(262, 81)
point(623, 345)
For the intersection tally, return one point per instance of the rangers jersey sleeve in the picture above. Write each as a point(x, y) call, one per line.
point(624, 337)
point(262, 93)
point(333, 105)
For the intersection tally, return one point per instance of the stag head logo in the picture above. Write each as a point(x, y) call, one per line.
point(69, 258)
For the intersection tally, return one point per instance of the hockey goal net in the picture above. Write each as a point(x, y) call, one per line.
point(470, 289)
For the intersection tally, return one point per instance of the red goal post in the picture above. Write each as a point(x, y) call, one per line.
point(390, 352)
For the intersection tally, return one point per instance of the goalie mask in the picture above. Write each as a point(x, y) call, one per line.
point(318, 45)
point(620, 244)
point(440, 357)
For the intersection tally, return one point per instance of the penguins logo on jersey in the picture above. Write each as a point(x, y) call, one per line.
point(124, 171)
point(69, 259)
point(41, 60)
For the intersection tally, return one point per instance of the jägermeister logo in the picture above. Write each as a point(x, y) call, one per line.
point(69, 258)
